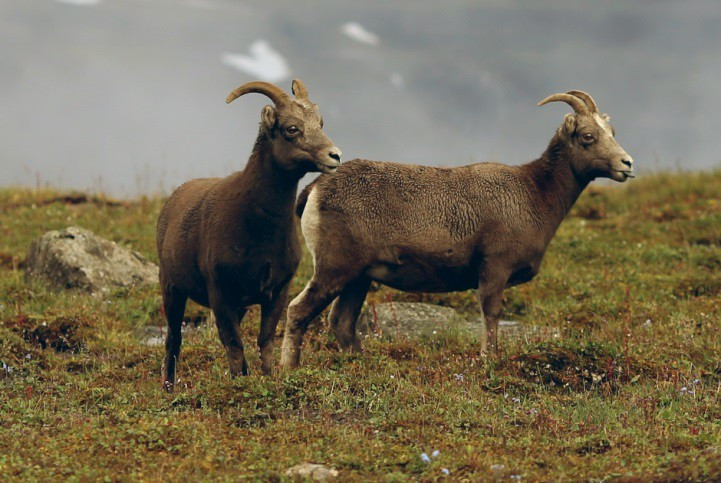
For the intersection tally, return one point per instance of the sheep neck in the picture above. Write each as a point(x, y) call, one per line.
point(557, 185)
point(263, 182)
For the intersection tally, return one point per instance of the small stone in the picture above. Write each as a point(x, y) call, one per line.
point(313, 471)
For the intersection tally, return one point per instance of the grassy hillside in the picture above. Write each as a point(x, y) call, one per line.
point(631, 389)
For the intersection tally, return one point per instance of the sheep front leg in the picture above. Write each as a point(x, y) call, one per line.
point(174, 308)
point(492, 311)
point(270, 314)
point(484, 332)
point(228, 321)
point(490, 299)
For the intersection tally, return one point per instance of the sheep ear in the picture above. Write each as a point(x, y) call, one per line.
point(269, 118)
point(569, 124)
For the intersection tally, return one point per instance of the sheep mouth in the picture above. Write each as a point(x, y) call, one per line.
point(626, 173)
point(327, 168)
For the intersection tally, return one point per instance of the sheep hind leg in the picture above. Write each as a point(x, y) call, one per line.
point(344, 313)
point(174, 307)
point(301, 312)
point(228, 321)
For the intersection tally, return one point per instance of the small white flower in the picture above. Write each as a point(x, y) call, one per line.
point(425, 458)
point(435, 454)
point(684, 389)
point(445, 471)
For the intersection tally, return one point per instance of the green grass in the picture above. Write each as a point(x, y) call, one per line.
point(632, 280)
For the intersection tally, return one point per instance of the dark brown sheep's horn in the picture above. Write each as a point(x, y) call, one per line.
point(586, 97)
point(572, 101)
point(274, 92)
point(299, 89)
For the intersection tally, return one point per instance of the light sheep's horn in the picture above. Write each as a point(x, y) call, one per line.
point(572, 101)
point(274, 92)
point(586, 97)
point(299, 89)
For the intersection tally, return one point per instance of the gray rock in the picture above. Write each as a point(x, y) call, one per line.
point(154, 335)
point(408, 319)
point(514, 331)
point(313, 471)
point(77, 258)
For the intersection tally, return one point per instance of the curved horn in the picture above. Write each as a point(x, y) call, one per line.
point(299, 89)
point(274, 92)
point(573, 101)
point(585, 97)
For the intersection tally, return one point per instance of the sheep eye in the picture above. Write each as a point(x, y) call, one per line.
point(588, 137)
point(291, 129)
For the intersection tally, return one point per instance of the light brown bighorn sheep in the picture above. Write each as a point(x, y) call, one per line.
point(228, 243)
point(415, 228)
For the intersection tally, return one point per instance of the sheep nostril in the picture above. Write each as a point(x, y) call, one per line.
point(334, 155)
point(627, 162)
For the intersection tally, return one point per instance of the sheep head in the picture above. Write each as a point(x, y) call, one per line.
point(591, 137)
point(294, 127)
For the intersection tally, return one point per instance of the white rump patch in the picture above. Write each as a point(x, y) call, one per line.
point(310, 223)
point(264, 62)
point(358, 33)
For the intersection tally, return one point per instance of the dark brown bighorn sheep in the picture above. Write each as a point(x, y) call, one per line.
point(228, 243)
point(415, 228)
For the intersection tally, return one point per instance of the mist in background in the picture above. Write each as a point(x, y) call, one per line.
point(128, 96)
